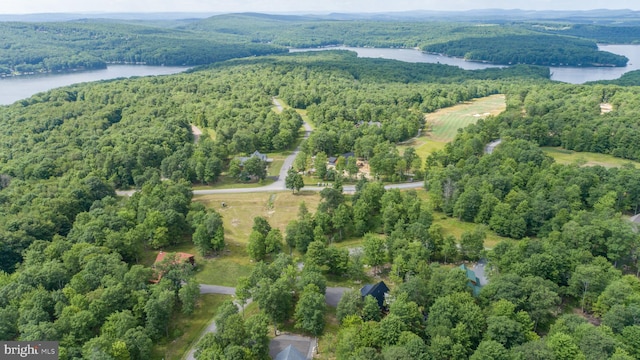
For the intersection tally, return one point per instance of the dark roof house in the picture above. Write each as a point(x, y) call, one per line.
point(472, 280)
point(290, 353)
point(376, 290)
point(333, 159)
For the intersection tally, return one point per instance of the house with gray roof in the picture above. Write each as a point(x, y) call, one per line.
point(257, 154)
point(290, 353)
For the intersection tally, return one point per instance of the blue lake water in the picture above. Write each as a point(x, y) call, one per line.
point(21, 87)
point(16, 88)
point(573, 75)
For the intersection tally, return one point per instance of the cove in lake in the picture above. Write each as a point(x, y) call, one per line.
point(573, 75)
point(21, 87)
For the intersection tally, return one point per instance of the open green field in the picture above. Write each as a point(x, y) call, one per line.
point(225, 182)
point(185, 330)
point(424, 145)
point(443, 124)
point(278, 208)
point(455, 227)
point(563, 156)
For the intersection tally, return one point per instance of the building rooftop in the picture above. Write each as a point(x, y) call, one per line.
point(290, 353)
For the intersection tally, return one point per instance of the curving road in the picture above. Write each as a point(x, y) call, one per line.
point(279, 184)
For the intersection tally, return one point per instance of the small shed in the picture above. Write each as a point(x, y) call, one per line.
point(378, 291)
point(472, 280)
point(290, 353)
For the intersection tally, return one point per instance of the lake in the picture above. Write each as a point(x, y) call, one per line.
point(573, 75)
point(16, 88)
point(21, 87)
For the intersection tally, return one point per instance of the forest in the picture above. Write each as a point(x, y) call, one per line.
point(563, 285)
point(529, 49)
point(596, 32)
point(93, 43)
point(60, 47)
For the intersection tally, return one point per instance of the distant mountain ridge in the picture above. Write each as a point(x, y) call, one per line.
point(606, 15)
point(56, 17)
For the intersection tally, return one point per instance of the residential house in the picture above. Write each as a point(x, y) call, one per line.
point(257, 154)
point(290, 353)
point(472, 280)
point(332, 160)
point(378, 291)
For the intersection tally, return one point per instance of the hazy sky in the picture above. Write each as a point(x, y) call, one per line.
point(40, 6)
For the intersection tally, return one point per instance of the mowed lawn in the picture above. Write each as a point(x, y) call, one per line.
point(563, 156)
point(278, 208)
point(443, 124)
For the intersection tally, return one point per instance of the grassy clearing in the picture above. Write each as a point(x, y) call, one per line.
point(278, 207)
point(225, 269)
point(274, 167)
point(563, 156)
point(225, 182)
point(424, 145)
point(186, 330)
point(210, 132)
point(444, 124)
point(455, 227)
point(327, 342)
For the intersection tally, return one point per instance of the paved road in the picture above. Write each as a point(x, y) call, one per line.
point(279, 184)
point(212, 289)
point(333, 295)
point(288, 161)
point(280, 187)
